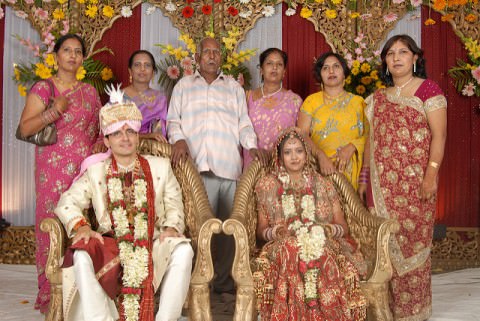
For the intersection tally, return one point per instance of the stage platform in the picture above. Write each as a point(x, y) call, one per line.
point(456, 295)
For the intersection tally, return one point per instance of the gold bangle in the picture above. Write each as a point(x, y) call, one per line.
point(434, 164)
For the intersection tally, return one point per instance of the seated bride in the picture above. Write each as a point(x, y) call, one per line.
point(309, 268)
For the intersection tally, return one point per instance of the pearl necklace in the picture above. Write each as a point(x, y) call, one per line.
point(271, 94)
point(399, 88)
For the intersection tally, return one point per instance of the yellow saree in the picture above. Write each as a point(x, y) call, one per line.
point(336, 124)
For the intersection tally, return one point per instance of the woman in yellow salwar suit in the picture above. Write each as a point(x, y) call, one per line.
point(334, 120)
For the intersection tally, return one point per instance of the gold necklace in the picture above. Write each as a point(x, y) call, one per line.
point(66, 84)
point(399, 88)
point(334, 98)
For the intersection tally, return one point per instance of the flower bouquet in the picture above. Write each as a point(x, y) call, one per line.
point(54, 23)
point(180, 60)
point(467, 75)
point(363, 79)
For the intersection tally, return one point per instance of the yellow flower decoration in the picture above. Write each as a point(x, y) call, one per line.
point(360, 89)
point(106, 74)
point(58, 14)
point(365, 67)
point(91, 11)
point(22, 90)
point(93, 1)
point(348, 80)
point(330, 14)
point(336, 2)
point(447, 17)
point(356, 64)
point(306, 13)
point(16, 72)
point(81, 72)
point(108, 11)
point(209, 34)
point(379, 84)
point(374, 74)
point(366, 80)
point(430, 22)
point(319, 1)
point(42, 71)
point(61, 1)
point(471, 18)
point(354, 15)
point(81, 1)
point(50, 60)
point(355, 71)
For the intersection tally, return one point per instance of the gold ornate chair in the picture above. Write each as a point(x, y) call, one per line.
point(372, 234)
point(200, 225)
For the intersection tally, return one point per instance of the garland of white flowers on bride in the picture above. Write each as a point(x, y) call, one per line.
point(133, 245)
point(310, 236)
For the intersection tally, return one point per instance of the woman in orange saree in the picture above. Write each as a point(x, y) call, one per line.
point(402, 158)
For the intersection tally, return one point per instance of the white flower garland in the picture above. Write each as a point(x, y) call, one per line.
point(134, 254)
point(310, 236)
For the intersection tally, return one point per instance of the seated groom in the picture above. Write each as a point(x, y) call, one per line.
point(138, 245)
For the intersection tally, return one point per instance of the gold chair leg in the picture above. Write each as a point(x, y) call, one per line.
point(199, 306)
point(378, 307)
point(241, 273)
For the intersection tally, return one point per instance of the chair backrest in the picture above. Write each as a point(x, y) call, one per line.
point(358, 218)
point(195, 201)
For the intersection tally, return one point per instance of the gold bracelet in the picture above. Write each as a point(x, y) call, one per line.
point(434, 164)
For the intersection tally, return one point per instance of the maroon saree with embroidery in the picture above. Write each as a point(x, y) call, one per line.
point(399, 152)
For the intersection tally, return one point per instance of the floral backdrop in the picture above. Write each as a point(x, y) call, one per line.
point(350, 27)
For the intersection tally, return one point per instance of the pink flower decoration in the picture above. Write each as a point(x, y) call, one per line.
point(476, 74)
point(187, 63)
point(188, 72)
point(469, 89)
point(391, 17)
point(42, 14)
point(66, 28)
point(416, 3)
point(358, 51)
point(398, 1)
point(21, 14)
point(29, 1)
point(173, 72)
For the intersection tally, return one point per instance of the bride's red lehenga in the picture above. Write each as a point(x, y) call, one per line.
point(280, 285)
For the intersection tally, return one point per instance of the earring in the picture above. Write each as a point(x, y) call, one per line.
point(387, 72)
point(130, 78)
point(414, 67)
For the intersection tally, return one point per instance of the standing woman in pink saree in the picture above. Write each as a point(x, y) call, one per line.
point(76, 106)
point(271, 107)
point(408, 124)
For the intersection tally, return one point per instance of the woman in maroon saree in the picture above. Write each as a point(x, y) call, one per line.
point(402, 158)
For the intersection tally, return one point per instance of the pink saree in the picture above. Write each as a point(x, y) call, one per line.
point(270, 116)
point(56, 165)
point(399, 152)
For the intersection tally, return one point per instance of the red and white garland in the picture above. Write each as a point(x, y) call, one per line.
point(310, 236)
point(132, 240)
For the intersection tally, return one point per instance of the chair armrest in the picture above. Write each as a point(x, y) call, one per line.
point(370, 231)
point(56, 232)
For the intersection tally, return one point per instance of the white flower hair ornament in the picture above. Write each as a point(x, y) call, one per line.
point(116, 94)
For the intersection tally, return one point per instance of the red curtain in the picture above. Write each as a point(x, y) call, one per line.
point(459, 188)
point(302, 44)
point(123, 39)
